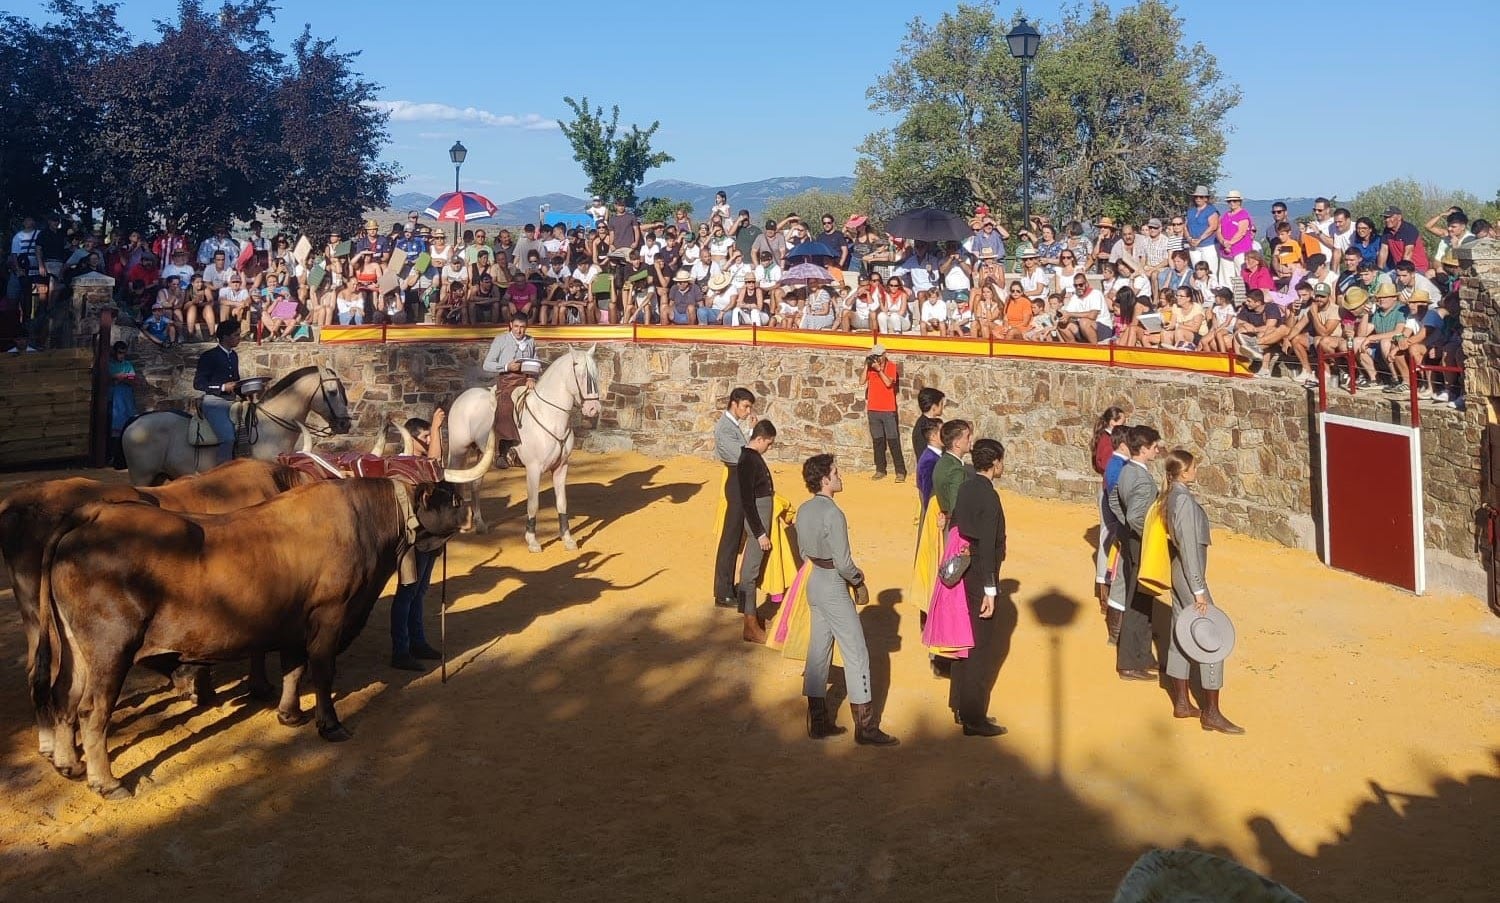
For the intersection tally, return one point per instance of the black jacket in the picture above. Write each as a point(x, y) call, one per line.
point(980, 519)
point(755, 483)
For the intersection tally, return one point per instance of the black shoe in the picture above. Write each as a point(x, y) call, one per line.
point(987, 729)
point(960, 721)
point(900, 478)
point(727, 602)
point(422, 650)
point(879, 475)
point(1136, 674)
point(406, 663)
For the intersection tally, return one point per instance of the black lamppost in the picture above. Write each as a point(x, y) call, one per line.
point(1024, 41)
point(457, 153)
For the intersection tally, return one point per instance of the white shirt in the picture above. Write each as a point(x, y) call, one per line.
point(957, 280)
point(934, 309)
point(767, 276)
point(587, 273)
point(1093, 301)
point(217, 278)
point(183, 274)
point(599, 212)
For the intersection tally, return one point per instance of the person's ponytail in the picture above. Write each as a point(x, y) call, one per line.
point(1178, 462)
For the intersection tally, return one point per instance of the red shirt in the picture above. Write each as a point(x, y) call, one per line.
point(1403, 239)
point(878, 396)
point(1104, 448)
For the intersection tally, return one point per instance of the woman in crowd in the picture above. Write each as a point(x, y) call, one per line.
point(1204, 281)
point(1035, 281)
point(1188, 320)
point(989, 317)
point(1188, 529)
point(198, 306)
point(860, 314)
point(122, 379)
point(1016, 320)
point(1256, 274)
point(894, 315)
point(1366, 241)
point(1127, 311)
point(1049, 251)
point(1067, 268)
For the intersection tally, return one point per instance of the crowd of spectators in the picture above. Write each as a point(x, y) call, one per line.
point(1204, 278)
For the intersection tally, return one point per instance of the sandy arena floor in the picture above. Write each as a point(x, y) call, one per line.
point(606, 735)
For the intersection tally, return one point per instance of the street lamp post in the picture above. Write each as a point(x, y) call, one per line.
point(1024, 41)
point(457, 153)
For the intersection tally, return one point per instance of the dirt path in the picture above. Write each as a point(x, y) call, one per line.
point(607, 736)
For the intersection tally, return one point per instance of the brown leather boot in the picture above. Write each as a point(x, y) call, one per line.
point(1112, 619)
point(1213, 719)
point(1101, 592)
point(819, 725)
point(755, 630)
point(1182, 700)
point(867, 730)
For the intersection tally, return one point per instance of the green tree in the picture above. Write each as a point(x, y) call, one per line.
point(1418, 201)
point(190, 121)
point(811, 205)
point(660, 210)
point(330, 142)
point(615, 164)
point(1125, 115)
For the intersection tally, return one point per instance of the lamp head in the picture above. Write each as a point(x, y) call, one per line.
point(1024, 41)
point(457, 153)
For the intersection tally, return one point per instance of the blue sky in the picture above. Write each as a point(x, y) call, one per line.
point(746, 92)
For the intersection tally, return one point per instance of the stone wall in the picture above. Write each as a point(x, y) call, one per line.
point(1258, 437)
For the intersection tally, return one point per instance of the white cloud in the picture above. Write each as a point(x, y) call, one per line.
point(412, 111)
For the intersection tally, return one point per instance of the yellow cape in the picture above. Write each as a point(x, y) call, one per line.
point(781, 561)
point(789, 630)
point(929, 555)
point(1156, 556)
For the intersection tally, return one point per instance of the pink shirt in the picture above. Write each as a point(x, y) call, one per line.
point(1261, 279)
point(1231, 221)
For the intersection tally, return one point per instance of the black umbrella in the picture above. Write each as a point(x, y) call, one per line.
point(930, 224)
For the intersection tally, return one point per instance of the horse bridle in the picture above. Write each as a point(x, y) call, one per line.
point(322, 432)
point(583, 396)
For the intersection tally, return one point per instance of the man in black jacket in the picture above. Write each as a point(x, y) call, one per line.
point(757, 493)
point(980, 519)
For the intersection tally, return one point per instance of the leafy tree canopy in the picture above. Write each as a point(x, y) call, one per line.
point(1125, 115)
point(615, 164)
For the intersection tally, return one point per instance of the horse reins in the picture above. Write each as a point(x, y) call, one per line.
point(584, 396)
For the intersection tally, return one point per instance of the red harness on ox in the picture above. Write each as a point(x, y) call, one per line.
point(406, 468)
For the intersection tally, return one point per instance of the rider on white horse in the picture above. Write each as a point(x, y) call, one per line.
point(506, 353)
point(218, 372)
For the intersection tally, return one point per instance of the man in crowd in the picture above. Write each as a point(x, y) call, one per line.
point(729, 441)
point(771, 241)
point(757, 493)
point(624, 226)
point(1403, 241)
point(218, 242)
point(881, 380)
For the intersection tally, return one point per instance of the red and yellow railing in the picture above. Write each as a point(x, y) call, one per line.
point(1214, 364)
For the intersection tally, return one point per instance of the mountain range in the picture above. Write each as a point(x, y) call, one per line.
point(752, 196)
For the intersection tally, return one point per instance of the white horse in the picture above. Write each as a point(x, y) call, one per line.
point(157, 445)
point(546, 415)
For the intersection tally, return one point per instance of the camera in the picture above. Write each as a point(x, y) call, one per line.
point(872, 361)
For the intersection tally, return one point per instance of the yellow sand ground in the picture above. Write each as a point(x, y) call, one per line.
point(606, 735)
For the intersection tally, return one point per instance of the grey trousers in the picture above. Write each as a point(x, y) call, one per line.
point(1211, 676)
point(834, 618)
point(216, 412)
point(754, 559)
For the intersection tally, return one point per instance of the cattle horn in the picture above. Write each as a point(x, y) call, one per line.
point(473, 474)
point(307, 439)
point(408, 444)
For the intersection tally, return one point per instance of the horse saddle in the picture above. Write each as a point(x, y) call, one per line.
point(200, 432)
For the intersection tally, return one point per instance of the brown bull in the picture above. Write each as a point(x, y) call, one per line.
point(30, 515)
point(298, 575)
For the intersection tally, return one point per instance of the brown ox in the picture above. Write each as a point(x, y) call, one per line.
point(298, 575)
point(29, 516)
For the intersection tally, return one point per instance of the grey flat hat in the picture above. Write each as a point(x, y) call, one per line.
point(1207, 638)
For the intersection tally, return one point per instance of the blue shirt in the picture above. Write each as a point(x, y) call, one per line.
point(1112, 470)
point(1197, 220)
point(156, 327)
point(413, 247)
point(1369, 251)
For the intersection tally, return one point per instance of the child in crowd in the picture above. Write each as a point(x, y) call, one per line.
point(1221, 323)
point(159, 328)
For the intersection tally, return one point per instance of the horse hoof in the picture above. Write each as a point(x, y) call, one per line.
point(45, 750)
point(292, 719)
point(533, 546)
point(115, 793)
point(71, 772)
point(570, 543)
point(336, 734)
point(204, 700)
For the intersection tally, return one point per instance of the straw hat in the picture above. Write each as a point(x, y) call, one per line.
point(1386, 290)
point(1234, 196)
point(1354, 299)
point(1105, 222)
point(1028, 251)
point(987, 254)
point(683, 276)
point(1420, 296)
point(1449, 260)
point(719, 282)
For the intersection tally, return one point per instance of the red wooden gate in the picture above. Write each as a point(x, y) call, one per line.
point(1372, 500)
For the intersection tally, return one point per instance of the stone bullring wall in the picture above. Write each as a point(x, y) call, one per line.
point(1259, 437)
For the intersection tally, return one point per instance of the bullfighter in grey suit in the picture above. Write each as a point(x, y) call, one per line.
point(1187, 525)
point(1131, 499)
point(823, 540)
point(729, 440)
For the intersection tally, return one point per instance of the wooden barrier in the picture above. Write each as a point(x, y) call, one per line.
point(44, 406)
point(1211, 364)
